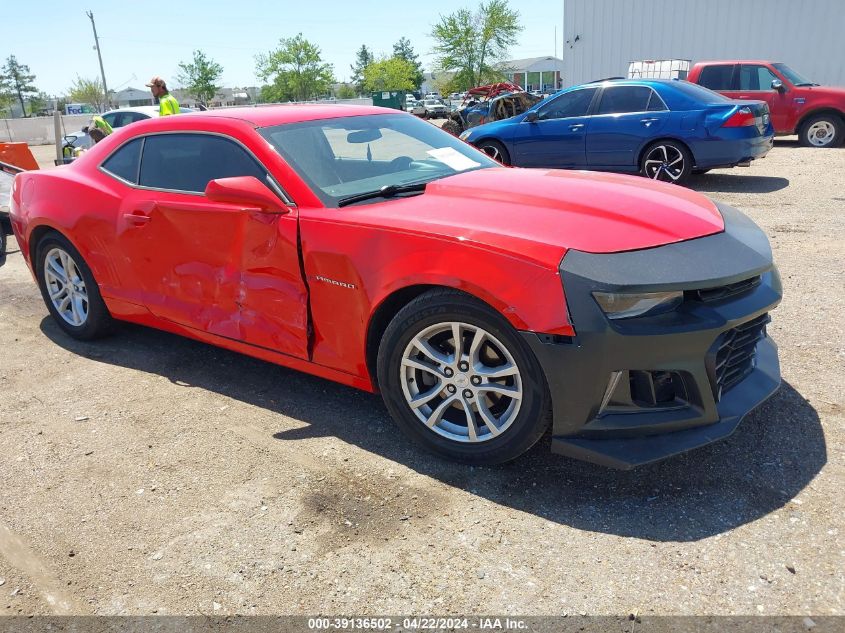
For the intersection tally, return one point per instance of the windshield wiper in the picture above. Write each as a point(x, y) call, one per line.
point(388, 191)
point(807, 83)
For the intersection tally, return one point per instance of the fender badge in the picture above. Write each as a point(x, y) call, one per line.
point(334, 282)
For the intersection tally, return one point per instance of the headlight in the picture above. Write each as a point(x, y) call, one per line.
point(620, 305)
point(464, 135)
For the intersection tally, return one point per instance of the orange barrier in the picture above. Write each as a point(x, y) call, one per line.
point(17, 154)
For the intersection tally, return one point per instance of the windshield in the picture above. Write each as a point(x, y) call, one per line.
point(348, 156)
point(794, 78)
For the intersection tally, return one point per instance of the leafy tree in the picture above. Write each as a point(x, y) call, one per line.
point(16, 79)
point(345, 91)
point(199, 77)
point(389, 74)
point(38, 103)
point(88, 91)
point(296, 70)
point(403, 50)
point(472, 43)
point(363, 58)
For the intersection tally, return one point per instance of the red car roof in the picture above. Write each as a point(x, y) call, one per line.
point(278, 114)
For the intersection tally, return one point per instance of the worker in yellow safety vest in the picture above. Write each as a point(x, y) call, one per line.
point(167, 103)
point(98, 128)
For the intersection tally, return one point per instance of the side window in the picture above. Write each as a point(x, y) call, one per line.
point(124, 162)
point(753, 77)
point(136, 116)
point(187, 162)
point(622, 99)
point(655, 103)
point(111, 119)
point(569, 104)
point(718, 77)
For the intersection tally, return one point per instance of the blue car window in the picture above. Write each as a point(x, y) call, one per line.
point(567, 105)
point(624, 99)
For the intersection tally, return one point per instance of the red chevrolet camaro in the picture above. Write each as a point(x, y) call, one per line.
point(368, 247)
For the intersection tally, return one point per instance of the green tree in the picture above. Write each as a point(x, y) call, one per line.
point(345, 91)
point(88, 91)
point(389, 74)
point(296, 71)
point(472, 43)
point(363, 58)
point(403, 50)
point(199, 77)
point(16, 79)
point(38, 103)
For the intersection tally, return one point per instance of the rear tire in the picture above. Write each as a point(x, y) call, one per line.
point(667, 161)
point(495, 150)
point(452, 127)
point(69, 290)
point(484, 401)
point(822, 130)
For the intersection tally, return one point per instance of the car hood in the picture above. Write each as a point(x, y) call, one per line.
point(540, 214)
point(827, 91)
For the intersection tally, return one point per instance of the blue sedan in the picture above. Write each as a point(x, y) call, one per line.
point(662, 129)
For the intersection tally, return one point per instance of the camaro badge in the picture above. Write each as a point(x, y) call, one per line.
point(335, 282)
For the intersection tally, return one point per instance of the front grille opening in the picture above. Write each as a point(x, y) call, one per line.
point(736, 351)
point(717, 293)
point(630, 391)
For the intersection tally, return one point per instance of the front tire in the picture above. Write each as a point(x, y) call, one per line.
point(452, 127)
point(495, 150)
point(823, 130)
point(668, 161)
point(482, 400)
point(69, 290)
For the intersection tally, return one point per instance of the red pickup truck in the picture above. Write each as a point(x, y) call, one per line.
point(797, 105)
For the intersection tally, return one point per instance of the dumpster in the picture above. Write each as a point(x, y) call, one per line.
point(389, 99)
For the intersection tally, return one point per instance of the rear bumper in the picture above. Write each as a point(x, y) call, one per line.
point(732, 152)
point(630, 392)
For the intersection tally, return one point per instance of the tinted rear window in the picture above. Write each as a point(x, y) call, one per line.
point(187, 162)
point(124, 162)
point(717, 77)
point(699, 94)
point(622, 99)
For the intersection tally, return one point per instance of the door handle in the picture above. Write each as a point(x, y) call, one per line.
point(136, 218)
point(648, 122)
point(576, 126)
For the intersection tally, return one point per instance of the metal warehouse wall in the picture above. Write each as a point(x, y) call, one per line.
point(808, 35)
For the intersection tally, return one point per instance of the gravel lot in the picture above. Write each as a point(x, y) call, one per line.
point(147, 473)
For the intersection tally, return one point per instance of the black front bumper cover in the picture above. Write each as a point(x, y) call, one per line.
point(682, 343)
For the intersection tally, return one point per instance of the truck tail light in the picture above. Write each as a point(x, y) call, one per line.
point(740, 118)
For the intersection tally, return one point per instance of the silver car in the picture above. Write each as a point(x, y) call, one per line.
point(431, 109)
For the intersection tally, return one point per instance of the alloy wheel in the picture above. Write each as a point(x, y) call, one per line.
point(493, 152)
point(66, 287)
point(461, 382)
point(664, 162)
point(821, 133)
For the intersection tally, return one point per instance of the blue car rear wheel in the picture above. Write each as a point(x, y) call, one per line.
point(668, 161)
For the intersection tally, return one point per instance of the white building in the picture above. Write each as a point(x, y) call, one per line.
point(535, 73)
point(601, 37)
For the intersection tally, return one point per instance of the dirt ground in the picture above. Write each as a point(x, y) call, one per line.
point(147, 473)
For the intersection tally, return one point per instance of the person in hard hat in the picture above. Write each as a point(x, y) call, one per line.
point(167, 103)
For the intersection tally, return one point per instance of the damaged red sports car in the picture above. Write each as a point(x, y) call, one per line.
point(368, 247)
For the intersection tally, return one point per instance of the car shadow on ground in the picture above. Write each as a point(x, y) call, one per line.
point(736, 183)
point(771, 457)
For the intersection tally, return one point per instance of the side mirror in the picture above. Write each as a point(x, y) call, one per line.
point(532, 116)
point(247, 191)
point(777, 84)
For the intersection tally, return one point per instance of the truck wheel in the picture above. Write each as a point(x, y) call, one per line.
point(458, 380)
point(495, 150)
point(822, 130)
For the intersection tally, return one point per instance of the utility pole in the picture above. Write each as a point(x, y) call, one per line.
point(90, 14)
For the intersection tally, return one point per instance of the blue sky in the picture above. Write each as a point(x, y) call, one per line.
point(141, 39)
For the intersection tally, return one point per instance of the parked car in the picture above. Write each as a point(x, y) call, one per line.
point(431, 109)
point(367, 247)
point(410, 105)
point(661, 129)
point(433, 95)
point(115, 118)
point(797, 105)
point(488, 103)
